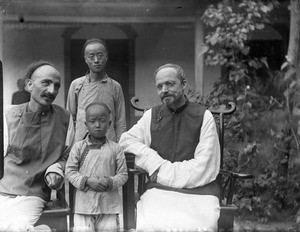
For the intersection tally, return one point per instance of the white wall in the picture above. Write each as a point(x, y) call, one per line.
point(156, 44)
point(23, 46)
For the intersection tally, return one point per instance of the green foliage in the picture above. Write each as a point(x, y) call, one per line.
point(262, 136)
point(256, 139)
point(226, 44)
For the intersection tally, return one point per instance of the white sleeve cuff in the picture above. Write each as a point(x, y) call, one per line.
point(56, 168)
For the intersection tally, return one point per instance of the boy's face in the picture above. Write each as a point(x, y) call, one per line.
point(97, 121)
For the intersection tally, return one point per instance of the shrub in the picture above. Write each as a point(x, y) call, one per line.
point(262, 136)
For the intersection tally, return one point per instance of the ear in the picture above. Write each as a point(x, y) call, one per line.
point(29, 84)
point(184, 83)
point(109, 123)
point(85, 60)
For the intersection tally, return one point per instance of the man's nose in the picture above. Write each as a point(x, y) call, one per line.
point(164, 88)
point(96, 59)
point(51, 89)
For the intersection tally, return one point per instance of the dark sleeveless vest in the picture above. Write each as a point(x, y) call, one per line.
point(175, 136)
point(36, 141)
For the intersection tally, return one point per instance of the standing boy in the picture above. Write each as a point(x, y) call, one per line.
point(96, 86)
point(96, 167)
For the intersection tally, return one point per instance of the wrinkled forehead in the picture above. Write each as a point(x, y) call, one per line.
point(46, 72)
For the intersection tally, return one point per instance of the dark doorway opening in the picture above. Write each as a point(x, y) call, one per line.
point(117, 65)
point(273, 50)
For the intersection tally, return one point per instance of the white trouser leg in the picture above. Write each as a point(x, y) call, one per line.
point(160, 210)
point(20, 213)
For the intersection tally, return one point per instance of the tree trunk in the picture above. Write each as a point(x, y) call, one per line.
point(293, 51)
point(294, 56)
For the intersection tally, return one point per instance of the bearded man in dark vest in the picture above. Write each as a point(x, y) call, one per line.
point(177, 144)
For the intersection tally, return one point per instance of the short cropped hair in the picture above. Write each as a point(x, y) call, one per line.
point(34, 66)
point(180, 73)
point(94, 40)
point(98, 104)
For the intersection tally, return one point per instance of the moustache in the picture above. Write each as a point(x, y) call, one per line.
point(48, 95)
point(167, 95)
point(170, 94)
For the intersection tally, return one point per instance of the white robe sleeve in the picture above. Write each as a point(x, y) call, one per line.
point(201, 170)
point(137, 141)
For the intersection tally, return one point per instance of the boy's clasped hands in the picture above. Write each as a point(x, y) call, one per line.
point(98, 184)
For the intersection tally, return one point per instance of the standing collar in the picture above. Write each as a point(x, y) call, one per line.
point(28, 110)
point(103, 80)
point(102, 141)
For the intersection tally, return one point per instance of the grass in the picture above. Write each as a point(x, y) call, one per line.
point(271, 226)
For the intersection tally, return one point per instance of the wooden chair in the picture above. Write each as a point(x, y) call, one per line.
point(58, 212)
point(135, 185)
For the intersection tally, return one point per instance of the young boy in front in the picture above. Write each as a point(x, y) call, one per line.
point(96, 167)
